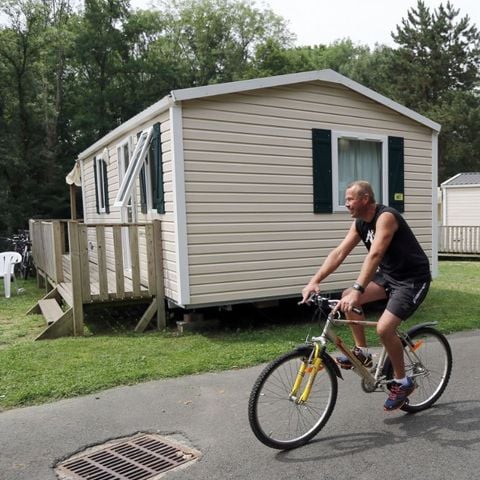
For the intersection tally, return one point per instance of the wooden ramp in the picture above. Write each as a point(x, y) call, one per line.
point(58, 315)
point(56, 308)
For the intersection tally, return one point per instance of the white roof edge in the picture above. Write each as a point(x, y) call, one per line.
point(326, 75)
point(446, 182)
point(142, 117)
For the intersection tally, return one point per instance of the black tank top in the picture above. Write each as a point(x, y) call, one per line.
point(404, 258)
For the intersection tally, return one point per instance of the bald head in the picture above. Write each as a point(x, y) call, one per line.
point(362, 189)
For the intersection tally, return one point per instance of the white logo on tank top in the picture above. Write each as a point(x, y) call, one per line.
point(370, 237)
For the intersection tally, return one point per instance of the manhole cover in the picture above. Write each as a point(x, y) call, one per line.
point(142, 457)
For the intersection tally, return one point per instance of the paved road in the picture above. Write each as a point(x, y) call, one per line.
point(208, 412)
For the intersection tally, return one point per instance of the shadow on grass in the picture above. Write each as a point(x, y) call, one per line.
point(112, 320)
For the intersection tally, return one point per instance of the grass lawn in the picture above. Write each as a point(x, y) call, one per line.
point(35, 372)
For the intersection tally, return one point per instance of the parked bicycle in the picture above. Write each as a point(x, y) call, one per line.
point(21, 243)
point(294, 396)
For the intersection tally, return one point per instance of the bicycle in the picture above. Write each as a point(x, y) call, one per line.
point(295, 395)
point(22, 244)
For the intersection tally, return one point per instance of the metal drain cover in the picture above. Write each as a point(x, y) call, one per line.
point(142, 457)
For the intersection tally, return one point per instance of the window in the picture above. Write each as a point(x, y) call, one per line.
point(133, 169)
point(101, 183)
point(342, 157)
point(124, 150)
point(358, 158)
point(151, 176)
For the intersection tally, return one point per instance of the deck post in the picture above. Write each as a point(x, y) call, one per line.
point(160, 291)
point(57, 250)
point(75, 264)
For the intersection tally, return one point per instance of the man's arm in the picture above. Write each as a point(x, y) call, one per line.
point(332, 262)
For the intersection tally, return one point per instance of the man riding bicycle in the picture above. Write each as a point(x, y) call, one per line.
point(395, 268)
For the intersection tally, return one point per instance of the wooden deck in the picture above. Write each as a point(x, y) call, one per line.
point(84, 264)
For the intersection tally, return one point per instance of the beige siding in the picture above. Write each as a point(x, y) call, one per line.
point(461, 206)
point(248, 182)
point(168, 226)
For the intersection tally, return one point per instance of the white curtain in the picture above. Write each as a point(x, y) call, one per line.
point(359, 160)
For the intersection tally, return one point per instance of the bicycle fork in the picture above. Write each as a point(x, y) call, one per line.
point(311, 367)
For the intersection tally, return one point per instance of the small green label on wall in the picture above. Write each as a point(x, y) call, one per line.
point(398, 197)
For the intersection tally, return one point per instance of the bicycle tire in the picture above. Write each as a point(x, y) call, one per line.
point(26, 266)
point(24, 270)
point(276, 419)
point(435, 355)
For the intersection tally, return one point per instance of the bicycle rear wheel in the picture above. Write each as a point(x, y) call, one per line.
point(430, 365)
point(276, 417)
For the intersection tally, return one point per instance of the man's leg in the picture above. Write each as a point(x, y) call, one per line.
point(403, 386)
point(373, 292)
point(386, 330)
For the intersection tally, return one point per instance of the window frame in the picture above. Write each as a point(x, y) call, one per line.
point(101, 179)
point(147, 172)
point(352, 135)
point(125, 189)
point(151, 175)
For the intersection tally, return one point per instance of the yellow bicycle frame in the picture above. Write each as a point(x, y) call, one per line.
point(312, 367)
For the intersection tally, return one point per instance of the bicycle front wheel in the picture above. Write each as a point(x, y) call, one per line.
point(428, 360)
point(278, 418)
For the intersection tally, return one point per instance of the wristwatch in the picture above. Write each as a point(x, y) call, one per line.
point(357, 286)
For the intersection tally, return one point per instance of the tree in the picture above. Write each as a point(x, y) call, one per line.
point(217, 40)
point(436, 55)
point(435, 71)
point(19, 51)
point(94, 80)
point(459, 143)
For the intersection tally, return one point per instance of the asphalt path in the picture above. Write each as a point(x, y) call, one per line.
point(209, 413)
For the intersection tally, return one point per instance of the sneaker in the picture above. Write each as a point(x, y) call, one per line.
point(399, 395)
point(346, 364)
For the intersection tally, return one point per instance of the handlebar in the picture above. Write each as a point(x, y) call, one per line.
point(327, 303)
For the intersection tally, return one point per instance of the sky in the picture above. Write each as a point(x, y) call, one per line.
point(365, 22)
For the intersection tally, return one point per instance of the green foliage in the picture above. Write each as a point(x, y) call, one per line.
point(437, 55)
point(459, 143)
point(435, 71)
point(70, 75)
point(217, 39)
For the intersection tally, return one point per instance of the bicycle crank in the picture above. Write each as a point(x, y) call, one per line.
point(368, 386)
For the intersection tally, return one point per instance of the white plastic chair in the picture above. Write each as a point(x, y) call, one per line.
point(7, 266)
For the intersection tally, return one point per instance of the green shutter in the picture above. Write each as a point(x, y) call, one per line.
point(396, 175)
point(143, 190)
point(322, 170)
point(105, 185)
point(97, 203)
point(157, 181)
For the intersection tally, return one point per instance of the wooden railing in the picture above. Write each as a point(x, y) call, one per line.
point(459, 240)
point(48, 246)
point(98, 265)
point(97, 253)
point(91, 259)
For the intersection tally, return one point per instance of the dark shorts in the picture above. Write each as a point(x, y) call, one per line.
point(403, 298)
